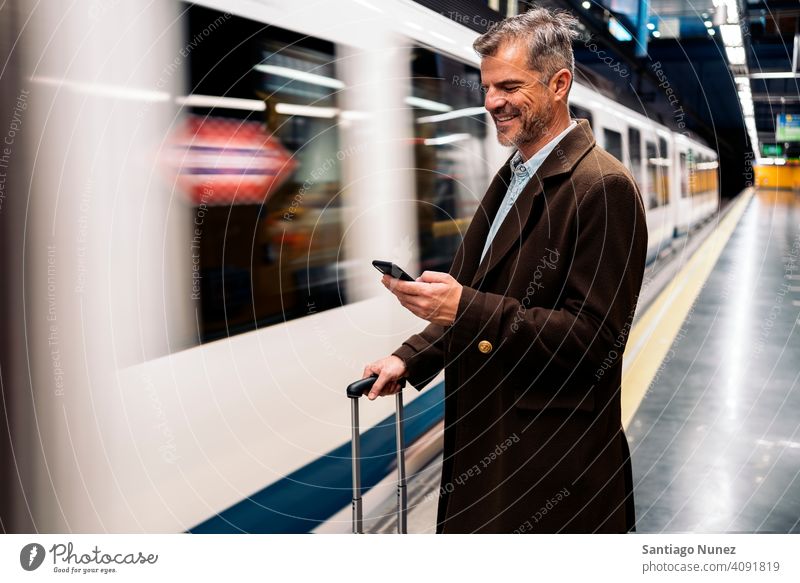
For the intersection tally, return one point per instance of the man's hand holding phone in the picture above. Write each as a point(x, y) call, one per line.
point(434, 296)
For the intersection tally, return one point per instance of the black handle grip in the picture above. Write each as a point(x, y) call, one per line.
point(362, 387)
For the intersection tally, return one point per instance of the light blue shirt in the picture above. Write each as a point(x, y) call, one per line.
point(521, 173)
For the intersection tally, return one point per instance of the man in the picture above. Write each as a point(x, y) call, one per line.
point(532, 319)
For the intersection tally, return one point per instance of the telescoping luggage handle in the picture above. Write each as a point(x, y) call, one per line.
point(355, 391)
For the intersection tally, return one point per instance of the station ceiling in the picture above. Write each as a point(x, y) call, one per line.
point(686, 38)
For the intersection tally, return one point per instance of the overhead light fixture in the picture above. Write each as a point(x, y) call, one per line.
point(711, 32)
point(736, 55)
point(651, 26)
point(775, 75)
point(727, 11)
point(731, 35)
point(466, 112)
point(586, 5)
point(732, 11)
point(708, 24)
point(427, 104)
point(656, 34)
point(303, 76)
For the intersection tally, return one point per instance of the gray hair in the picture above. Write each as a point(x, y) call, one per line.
point(548, 34)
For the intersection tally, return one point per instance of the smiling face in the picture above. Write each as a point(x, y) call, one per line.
point(525, 109)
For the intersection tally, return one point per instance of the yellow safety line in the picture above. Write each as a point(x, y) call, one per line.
point(653, 335)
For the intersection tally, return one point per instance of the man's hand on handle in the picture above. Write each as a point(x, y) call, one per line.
point(389, 371)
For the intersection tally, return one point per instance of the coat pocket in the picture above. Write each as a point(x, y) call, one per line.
point(537, 398)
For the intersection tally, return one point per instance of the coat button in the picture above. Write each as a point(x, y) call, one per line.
point(485, 346)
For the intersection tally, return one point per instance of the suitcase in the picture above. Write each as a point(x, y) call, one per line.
point(354, 392)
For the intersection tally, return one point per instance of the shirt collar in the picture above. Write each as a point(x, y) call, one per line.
point(532, 165)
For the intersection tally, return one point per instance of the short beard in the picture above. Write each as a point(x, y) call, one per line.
point(535, 125)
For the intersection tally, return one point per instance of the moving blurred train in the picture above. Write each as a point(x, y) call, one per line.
point(273, 150)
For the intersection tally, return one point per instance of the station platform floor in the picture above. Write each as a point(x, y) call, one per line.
point(711, 400)
point(715, 440)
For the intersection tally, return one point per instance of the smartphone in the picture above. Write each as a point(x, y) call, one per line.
point(392, 270)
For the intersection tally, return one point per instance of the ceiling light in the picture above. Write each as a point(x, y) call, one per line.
point(735, 55)
point(731, 35)
point(775, 75)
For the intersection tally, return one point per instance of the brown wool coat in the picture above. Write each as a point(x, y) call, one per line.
point(533, 437)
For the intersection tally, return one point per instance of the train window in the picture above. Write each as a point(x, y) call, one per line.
point(449, 152)
point(657, 177)
point(613, 142)
point(635, 154)
point(578, 112)
point(662, 148)
point(704, 178)
point(267, 251)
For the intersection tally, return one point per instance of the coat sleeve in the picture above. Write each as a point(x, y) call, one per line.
point(604, 275)
point(423, 354)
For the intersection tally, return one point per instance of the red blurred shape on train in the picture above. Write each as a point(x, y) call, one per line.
point(228, 161)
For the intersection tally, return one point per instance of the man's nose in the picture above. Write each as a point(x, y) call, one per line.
point(493, 100)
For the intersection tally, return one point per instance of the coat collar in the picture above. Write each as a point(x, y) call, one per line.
point(562, 160)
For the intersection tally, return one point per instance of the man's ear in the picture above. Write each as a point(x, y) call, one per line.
point(560, 84)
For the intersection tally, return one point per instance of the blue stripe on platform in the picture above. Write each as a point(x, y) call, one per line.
point(309, 496)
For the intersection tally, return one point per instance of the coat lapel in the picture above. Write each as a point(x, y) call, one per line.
point(561, 160)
